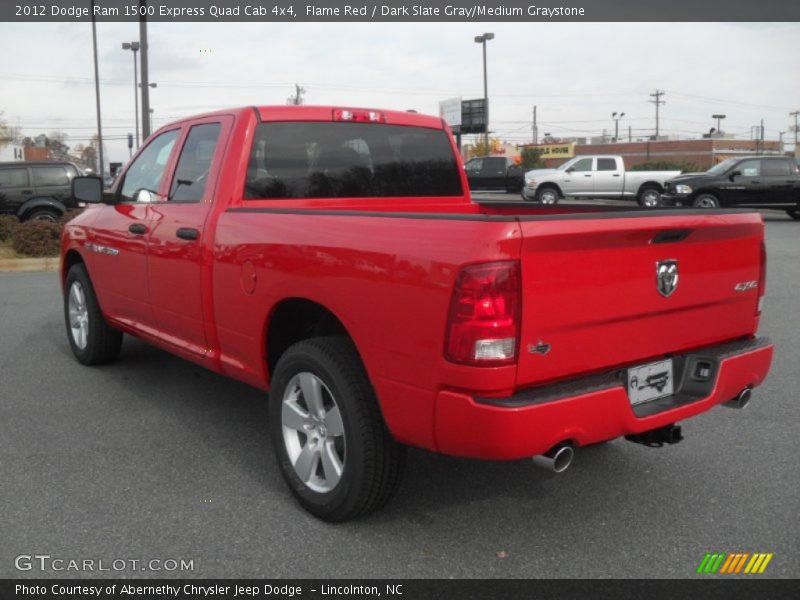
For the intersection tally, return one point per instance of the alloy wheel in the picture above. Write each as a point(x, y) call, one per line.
point(313, 432)
point(78, 315)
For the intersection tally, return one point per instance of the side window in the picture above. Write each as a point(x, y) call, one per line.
point(13, 177)
point(584, 164)
point(191, 174)
point(606, 164)
point(50, 176)
point(749, 168)
point(147, 171)
point(776, 167)
point(474, 165)
point(494, 164)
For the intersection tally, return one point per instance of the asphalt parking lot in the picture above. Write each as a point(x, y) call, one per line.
point(155, 458)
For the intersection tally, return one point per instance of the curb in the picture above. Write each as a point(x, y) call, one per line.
point(21, 265)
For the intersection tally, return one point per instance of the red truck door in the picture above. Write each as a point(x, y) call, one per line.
point(176, 249)
point(118, 249)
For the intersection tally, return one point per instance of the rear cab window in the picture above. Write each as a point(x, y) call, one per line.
point(776, 167)
point(606, 164)
point(320, 159)
point(13, 177)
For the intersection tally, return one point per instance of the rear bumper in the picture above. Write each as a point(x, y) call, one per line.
point(592, 409)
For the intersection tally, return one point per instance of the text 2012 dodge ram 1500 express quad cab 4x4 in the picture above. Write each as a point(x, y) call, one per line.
point(333, 256)
point(595, 177)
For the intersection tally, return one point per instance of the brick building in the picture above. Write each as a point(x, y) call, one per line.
point(704, 152)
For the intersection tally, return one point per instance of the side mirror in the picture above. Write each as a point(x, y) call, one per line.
point(733, 175)
point(88, 189)
point(570, 170)
point(145, 196)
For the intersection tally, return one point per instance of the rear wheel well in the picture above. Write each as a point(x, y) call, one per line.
point(294, 320)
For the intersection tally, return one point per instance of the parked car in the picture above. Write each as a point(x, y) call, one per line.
point(494, 173)
point(37, 190)
point(333, 257)
point(750, 181)
point(601, 176)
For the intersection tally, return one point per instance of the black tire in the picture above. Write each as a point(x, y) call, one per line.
point(547, 195)
point(372, 462)
point(102, 342)
point(794, 213)
point(649, 197)
point(43, 214)
point(706, 201)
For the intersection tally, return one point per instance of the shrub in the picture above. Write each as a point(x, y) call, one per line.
point(8, 224)
point(38, 238)
point(667, 165)
point(532, 158)
point(69, 215)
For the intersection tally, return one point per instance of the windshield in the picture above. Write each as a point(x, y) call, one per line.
point(722, 167)
point(567, 164)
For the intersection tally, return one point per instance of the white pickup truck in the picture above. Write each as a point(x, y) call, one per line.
point(600, 176)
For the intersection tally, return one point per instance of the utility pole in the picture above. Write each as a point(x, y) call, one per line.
point(794, 114)
point(97, 93)
point(145, 73)
point(297, 99)
point(761, 138)
point(630, 134)
point(658, 102)
point(535, 127)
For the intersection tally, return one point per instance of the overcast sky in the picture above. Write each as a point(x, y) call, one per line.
point(577, 74)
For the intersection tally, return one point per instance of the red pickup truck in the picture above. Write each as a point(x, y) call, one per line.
point(334, 257)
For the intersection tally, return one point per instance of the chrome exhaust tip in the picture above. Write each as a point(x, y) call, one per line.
point(557, 459)
point(742, 400)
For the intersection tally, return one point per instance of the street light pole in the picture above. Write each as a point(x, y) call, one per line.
point(795, 114)
point(145, 70)
point(482, 39)
point(718, 118)
point(616, 124)
point(97, 93)
point(134, 46)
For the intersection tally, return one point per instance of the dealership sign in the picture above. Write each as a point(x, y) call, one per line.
point(450, 111)
point(556, 150)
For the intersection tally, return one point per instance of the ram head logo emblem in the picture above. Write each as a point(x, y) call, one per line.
point(666, 277)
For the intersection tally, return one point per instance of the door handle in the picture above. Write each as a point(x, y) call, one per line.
point(615, 175)
point(26, 192)
point(137, 228)
point(187, 233)
point(755, 181)
point(587, 175)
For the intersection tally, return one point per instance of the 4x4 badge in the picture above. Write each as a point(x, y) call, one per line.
point(666, 277)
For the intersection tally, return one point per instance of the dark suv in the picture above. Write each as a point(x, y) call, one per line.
point(36, 190)
point(750, 181)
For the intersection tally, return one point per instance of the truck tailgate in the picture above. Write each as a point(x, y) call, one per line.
point(591, 299)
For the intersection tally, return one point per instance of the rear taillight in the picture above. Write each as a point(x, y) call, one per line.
point(360, 116)
point(762, 279)
point(483, 325)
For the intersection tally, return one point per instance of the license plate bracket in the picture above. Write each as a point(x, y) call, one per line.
point(651, 381)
